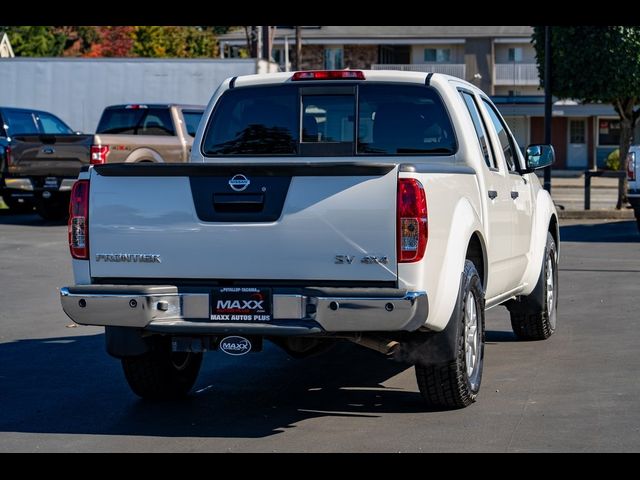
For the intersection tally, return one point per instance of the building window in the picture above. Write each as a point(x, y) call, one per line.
point(577, 131)
point(608, 132)
point(333, 58)
point(437, 55)
point(515, 54)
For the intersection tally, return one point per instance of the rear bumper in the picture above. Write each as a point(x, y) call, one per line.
point(27, 185)
point(165, 309)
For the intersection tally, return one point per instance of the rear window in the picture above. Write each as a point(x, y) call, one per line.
point(255, 121)
point(136, 121)
point(20, 123)
point(322, 120)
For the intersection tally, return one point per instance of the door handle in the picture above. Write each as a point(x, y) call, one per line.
point(514, 195)
point(492, 194)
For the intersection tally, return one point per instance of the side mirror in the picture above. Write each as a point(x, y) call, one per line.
point(539, 156)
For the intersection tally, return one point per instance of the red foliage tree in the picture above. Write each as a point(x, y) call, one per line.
point(114, 42)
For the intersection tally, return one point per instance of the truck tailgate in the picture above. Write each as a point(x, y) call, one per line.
point(55, 155)
point(289, 222)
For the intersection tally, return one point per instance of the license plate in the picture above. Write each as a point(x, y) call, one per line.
point(51, 182)
point(241, 304)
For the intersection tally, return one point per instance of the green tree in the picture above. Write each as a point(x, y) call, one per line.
point(35, 41)
point(149, 41)
point(596, 64)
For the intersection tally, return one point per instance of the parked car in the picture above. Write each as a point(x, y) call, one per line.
point(146, 133)
point(390, 209)
point(42, 156)
point(633, 178)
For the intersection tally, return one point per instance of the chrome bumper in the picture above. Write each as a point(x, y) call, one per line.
point(165, 309)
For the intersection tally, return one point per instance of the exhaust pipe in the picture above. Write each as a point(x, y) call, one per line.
point(382, 345)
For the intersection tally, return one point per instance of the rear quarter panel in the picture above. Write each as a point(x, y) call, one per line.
point(453, 217)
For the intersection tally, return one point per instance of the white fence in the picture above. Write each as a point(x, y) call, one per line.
point(515, 74)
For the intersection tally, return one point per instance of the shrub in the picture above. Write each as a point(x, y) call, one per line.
point(613, 160)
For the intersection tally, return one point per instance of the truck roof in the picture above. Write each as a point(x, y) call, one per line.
point(25, 110)
point(158, 105)
point(369, 75)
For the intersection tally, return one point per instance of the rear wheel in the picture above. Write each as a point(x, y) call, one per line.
point(637, 213)
point(456, 384)
point(533, 317)
point(160, 373)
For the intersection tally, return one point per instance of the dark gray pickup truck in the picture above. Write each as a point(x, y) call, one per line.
point(40, 157)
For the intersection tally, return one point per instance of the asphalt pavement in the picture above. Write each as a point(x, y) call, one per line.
point(577, 391)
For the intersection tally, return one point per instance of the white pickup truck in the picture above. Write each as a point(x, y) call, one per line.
point(390, 209)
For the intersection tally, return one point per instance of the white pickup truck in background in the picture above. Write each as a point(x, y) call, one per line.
point(390, 209)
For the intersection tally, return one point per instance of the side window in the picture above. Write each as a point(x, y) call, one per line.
point(477, 124)
point(191, 121)
point(503, 136)
point(53, 125)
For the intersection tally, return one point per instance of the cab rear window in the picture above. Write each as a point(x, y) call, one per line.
point(350, 119)
point(136, 121)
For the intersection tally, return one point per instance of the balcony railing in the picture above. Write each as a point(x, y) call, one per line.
point(515, 74)
point(455, 69)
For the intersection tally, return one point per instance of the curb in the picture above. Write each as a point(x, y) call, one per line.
point(596, 214)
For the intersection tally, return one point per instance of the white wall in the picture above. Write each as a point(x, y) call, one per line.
point(78, 89)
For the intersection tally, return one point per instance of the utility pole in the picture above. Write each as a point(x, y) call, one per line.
point(266, 43)
point(298, 48)
point(253, 41)
point(547, 101)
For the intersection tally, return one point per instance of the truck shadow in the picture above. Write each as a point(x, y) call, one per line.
point(27, 219)
point(605, 232)
point(70, 385)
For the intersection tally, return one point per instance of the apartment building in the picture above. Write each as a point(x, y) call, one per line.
point(498, 59)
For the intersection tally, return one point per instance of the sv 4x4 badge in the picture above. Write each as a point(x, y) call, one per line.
point(368, 259)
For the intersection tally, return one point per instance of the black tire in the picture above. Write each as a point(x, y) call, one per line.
point(53, 211)
point(533, 317)
point(637, 214)
point(161, 374)
point(16, 207)
point(453, 385)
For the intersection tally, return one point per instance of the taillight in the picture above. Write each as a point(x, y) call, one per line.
point(99, 154)
point(79, 220)
point(412, 220)
point(8, 156)
point(631, 166)
point(328, 75)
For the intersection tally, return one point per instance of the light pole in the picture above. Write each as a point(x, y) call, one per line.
point(547, 101)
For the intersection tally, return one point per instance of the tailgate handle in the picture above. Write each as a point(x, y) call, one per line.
point(230, 202)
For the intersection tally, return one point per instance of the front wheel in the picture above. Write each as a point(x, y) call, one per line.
point(160, 373)
point(533, 317)
point(456, 384)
